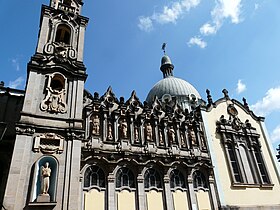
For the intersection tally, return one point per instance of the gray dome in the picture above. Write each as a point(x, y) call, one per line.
point(173, 86)
point(165, 60)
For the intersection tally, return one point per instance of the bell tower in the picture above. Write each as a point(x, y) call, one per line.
point(45, 167)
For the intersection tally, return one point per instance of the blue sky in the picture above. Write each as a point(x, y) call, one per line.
point(215, 44)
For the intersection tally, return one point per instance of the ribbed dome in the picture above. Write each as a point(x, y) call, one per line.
point(173, 86)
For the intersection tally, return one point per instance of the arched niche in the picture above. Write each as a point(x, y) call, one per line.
point(63, 34)
point(55, 94)
point(67, 2)
point(37, 192)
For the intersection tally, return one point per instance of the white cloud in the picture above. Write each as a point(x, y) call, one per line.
point(197, 41)
point(15, 63)
point(17, 83)
point(241, 87)
point(226, 9)
point(223, 9)
point(269, 103)
point(145, 24)
point(275, 135)
point(169, 14)
point(208, 29)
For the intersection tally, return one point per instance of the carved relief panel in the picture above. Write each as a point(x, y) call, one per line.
point(48, 143)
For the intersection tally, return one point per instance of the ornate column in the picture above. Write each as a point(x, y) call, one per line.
point(141, 192)
point(111, 192)
point(192, 193)
point(168, 195)
point(213, 193)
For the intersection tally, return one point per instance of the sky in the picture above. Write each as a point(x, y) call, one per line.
point(214, 44)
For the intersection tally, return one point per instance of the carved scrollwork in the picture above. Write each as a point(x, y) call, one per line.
point(60, 52)
point(54, 101)
point(72, 54)
point(49, 49)
point(75, 135)
point(27, 131)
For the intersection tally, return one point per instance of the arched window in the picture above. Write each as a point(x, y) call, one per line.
point(199, 180)
point(177, 179)
point(152, 179)
point(94, 176)
point(63, 34)
point(125, 178)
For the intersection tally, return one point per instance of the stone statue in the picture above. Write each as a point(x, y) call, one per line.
point(171, 135)
point(123, 129)
point(45, 178)
point(110, 131)
point(149, 132)
point(192, 136)
point(136, 134)
point(160, 137)
point(183, 140)
point(203, 145)
point(95, 125)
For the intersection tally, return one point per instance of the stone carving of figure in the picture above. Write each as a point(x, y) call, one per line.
point(95, 125)
point(183, 140)
point(136, 134)
point(149, 132)
point(202, 140)
point(123, 129)
point(110, 131)
point(192, 136)
point(160, 137)
point(45, 175)
point(171, 135)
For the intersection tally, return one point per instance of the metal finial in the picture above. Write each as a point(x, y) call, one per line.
point(246, 105)
point(163, 47)
point(225, 92)
point(209, 97)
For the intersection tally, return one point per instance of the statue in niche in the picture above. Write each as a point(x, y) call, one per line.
point(161, 142)
point(183, 140)
point(45, 178)
point(95, 125)
point(149, 132)
point(202, 139)
point(171, 135)
point(136, 134)
point(123, 129)
point(110, 131)
point(192, 136)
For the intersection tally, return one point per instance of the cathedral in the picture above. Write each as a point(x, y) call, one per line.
point(64, 148)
